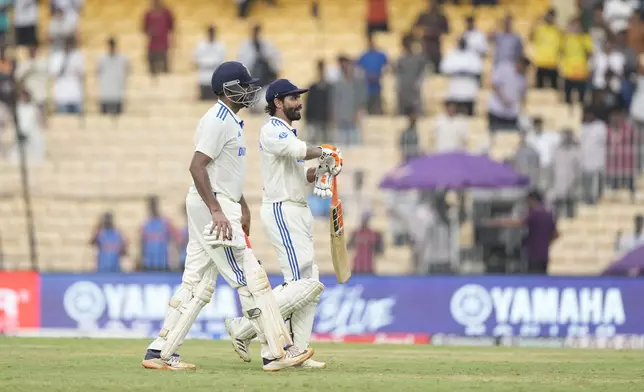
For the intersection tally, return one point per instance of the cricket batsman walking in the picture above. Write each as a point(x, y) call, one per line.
point(286, 217)
point(218, 221)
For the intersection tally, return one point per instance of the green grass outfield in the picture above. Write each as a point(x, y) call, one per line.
point(34, 364)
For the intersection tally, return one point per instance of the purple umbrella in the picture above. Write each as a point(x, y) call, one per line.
point(631, 262)
point(454, 170)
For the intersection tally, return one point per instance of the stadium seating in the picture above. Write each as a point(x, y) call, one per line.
point(97, 163)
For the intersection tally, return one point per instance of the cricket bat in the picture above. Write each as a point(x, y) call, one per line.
point(338, 242)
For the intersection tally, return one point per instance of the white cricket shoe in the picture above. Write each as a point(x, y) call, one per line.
point(241, 347)
point(292, 357)
point(174, 363)
point(312, 364)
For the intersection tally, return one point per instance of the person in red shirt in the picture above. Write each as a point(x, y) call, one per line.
point(367, 244)
point(621, 150)
point(158, 24)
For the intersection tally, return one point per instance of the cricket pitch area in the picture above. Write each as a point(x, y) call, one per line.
point(38, 364)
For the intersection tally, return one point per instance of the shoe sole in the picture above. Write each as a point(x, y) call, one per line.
point(232, 342)
point(155, 366)
point(309, 354)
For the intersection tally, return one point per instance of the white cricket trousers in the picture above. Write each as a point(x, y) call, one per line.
point(289, 227)
point(227, 261)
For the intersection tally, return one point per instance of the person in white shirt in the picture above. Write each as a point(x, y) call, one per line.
point(260, 57)
point(61, 28)
point(29, 121)
point(71, 9)
point(218, 226)
point(627, 242)
point(545, 142)
point(32, 74)
point(607, 62)
point(463, 66)
point(25, 21)
point(286, 217)
point(617, 12)
point(113, 69)
point(450, 130)
point(209, 54)
point(475, 38)
point(592, 143)
point(67, 69)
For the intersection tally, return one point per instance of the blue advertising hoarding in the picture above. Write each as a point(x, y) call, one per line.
point(464, 306)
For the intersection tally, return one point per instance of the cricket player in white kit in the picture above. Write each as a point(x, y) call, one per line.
point(218, 221)
point(286, 217)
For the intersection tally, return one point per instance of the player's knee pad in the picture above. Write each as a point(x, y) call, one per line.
point(295, 295)
point(184, 308)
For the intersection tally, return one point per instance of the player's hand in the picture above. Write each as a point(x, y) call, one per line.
point(245, 221)
point(332, 159)
point(322, 186)
point(221, 226)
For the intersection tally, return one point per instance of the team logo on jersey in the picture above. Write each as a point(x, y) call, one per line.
point(283, 135)
point(242, 152)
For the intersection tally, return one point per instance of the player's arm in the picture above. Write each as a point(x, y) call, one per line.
point(282, 142)
point(202, 181)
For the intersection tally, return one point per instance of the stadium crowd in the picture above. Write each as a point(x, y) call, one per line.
point(592, 62)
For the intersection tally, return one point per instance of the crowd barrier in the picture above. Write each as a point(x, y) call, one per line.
point(441, 310)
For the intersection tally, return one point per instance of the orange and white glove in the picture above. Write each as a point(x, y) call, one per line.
point(331, 158)
point(322, 185)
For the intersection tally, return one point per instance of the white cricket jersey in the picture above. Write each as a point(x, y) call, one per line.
point(282, 163)
point(220, 135)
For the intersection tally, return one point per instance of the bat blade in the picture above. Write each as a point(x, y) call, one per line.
point(338, 242)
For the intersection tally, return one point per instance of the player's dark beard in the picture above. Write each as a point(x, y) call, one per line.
point(293, 114)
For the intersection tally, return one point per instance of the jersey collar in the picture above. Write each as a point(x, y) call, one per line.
point(285, 124)
point(237, 119)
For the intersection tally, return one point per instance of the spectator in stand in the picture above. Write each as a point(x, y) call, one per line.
point(110, 244)
point(620, 44)
point(5, 22)
point(368, 245)
point(598, 29)
point(545, 143)
point(542, 232)
point(410, 73)
point(617, 13)
point(620, 152)
point(113, 70)
point(32, 73)
point(243, 6)
point(434, 24)
point(158, 26)
point(475, 38)
point(566, 164)
point(61, 28)
point(593, 156)
point(377, 16)
point(209, 54)
point(637, 104)
point(156, 235)
point(626, 242)
point(509, 89)
point(507, 43)
point(409, 143)
point(463, 66)
point(260, 57)
point(608, 68)
point(71, 9)
point(67, 69)
point(182, 242)
point(450, 130)
point(348, 102)
point(373, 63)
point(526, 161)
point(318, 108)
point(30, 125)
point(546, 38)
point(25, 21)
point(576, 50)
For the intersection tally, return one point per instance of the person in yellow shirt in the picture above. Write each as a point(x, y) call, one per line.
point(546, 38)
point(575, 52)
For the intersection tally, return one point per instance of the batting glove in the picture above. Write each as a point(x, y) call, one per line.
point(322, 186)
point(210, 239)
point(331, 158)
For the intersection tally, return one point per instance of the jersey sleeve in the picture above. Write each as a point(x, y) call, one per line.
point(213, 136)
point(281, 141)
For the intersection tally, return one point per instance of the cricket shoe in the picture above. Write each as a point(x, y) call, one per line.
point(292, 357)
point(241, 347)
point(312, 364)
point(154, 361)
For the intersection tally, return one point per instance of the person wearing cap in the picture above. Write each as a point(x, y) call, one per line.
point(218, 225)
point(286, 217)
